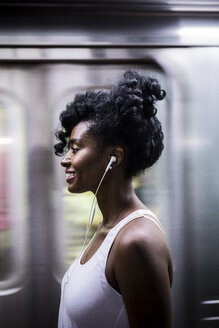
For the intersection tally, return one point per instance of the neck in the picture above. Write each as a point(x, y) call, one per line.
point(116, 200)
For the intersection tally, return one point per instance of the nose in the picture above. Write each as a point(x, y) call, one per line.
point(66, 160)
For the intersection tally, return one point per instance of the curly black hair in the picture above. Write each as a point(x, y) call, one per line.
point(124, 115)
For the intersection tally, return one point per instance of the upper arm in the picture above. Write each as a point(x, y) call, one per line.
point(142, 273)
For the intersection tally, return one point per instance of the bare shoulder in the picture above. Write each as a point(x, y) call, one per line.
point(143, 234)
point(142, 243)
point(143, 273)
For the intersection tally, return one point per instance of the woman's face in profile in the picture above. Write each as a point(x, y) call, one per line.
point(84, 162)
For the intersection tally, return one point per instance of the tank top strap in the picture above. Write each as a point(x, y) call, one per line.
point(112, 234)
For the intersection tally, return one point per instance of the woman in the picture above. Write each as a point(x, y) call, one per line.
point(123, 277)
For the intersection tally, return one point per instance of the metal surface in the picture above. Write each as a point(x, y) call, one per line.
point(109, 24)
point(115, 6)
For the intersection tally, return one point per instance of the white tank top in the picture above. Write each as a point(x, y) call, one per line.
point(87, 299)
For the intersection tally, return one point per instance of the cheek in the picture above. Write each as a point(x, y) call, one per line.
point(88, 162)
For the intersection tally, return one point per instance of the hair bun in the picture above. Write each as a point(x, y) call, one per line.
point(137, 93)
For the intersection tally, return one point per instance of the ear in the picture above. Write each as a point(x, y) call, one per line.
point(119, 154)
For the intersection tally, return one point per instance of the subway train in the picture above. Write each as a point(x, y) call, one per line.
point(49, 50)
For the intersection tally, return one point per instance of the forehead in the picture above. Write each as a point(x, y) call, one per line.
point(80, 135)
point(80, 130)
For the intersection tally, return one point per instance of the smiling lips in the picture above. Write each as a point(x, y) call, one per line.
point(70, 175)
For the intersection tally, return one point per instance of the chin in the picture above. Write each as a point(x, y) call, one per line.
point(75, 190)
point(79, 190)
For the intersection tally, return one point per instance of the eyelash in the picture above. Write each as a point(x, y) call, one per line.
point(74, 150)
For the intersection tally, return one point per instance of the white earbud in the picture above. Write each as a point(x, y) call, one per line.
point(112, 160)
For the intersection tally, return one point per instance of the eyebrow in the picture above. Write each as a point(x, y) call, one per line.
point(74, 140)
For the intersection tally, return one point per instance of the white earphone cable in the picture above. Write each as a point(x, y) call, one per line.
point(91, 216)
point(94, 202)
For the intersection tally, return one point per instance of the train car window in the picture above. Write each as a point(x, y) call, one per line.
point(13, 193)
point(71, 211)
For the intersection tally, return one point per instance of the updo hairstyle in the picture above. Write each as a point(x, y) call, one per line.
point(124, 115)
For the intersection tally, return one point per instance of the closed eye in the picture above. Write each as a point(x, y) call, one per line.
point(74, 150)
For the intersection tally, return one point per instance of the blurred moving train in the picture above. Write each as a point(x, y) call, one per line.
point(48, 51)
